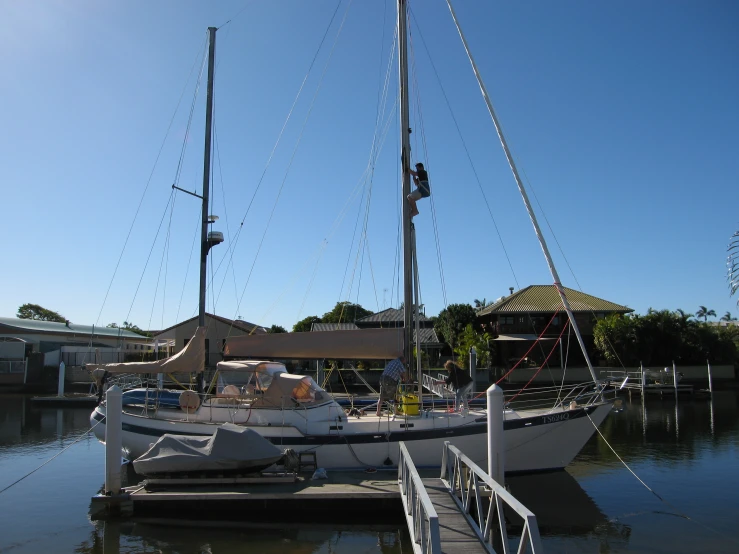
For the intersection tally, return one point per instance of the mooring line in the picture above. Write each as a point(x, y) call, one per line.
point(55, 456)
point(677, 511)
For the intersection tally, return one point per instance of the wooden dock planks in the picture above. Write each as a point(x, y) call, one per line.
point(457, 537)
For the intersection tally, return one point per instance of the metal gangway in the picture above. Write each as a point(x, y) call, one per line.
point(437, 386)
point(463, 510)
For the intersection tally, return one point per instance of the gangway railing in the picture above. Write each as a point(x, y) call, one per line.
point(423, 522)
point(469, 485)
point(439, 388)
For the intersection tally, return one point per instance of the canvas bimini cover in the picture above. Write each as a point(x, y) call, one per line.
point(230, 448)
point(189, 359)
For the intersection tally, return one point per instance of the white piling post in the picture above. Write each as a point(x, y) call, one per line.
point(113, 408)
point(160, 381)
point(473, 367)
point(60, 383)
point(643, 378)
point(674, 377)
point(496, 444)
point(710, 379)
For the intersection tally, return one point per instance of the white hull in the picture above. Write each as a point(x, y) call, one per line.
point(533, 441)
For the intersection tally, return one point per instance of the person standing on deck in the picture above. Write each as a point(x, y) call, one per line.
point(462, 384)
point(421, 179)
point(393, 374)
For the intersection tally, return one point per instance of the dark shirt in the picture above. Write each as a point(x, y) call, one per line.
point(458, 378)
point(423, 182)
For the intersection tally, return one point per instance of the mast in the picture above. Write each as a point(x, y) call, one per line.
point(204, 246)
point(527, 203)
point(405, 163)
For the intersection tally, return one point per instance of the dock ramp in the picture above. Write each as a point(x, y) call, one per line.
point(464, 510)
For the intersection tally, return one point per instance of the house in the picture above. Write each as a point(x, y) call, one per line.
point(219, 329)
point(515, 321)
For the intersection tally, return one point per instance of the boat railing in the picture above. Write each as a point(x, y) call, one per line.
point(487, 506)
point(553, 396)
point(423, 521)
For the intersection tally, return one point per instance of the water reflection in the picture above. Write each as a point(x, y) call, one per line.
point(196, 536)
point(24, 423)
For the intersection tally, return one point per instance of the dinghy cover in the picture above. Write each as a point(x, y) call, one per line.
point(230, 448)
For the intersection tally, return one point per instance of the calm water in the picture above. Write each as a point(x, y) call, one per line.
point(688, 454)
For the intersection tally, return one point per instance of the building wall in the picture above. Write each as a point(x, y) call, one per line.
point(218, 331)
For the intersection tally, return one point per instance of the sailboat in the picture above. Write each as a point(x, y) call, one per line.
point(293, 411)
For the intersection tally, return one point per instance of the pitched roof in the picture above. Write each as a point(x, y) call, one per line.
point(391, 315)
point(237, 324)
point(428, 335)
point(36, 326)
point(544, 298)
point(333, 327)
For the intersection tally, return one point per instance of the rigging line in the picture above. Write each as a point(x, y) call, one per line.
point(542, 365)
point(143, 272)
point(230, 19)
point(464, 145)
point(166, 266)
point(673, 507)
point(161, 265)
point(146, 188)
point(55, 456)
point(434, 218)
point(199, 222)
point(292, 108)
point(295, 149)
point(232, 247)
point(188, 128)
point(348, 258)
point(375, 148)
point(225, 207)
point(312, 279)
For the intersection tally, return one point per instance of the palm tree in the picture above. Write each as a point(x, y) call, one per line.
point(732, 264)
point(683, 315)
point(705, 313)
point(480, 304)
point(727, 317)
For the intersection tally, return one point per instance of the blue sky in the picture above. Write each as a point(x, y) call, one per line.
point(622, 116)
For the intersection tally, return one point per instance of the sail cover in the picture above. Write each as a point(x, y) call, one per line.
point(359, 344)
point(189, 359)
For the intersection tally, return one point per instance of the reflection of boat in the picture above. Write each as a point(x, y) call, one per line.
point(294, 412)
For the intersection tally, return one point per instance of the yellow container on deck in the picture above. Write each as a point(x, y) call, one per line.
point(409, 404)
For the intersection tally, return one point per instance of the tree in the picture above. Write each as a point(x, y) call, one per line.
point(277, 329)
point(452, 320)
point(39, 313)
point(705, 313)
point(482, 343)
point(480, 304)
point(345, 312)
point(128, 326)
point(727, 317)
point(732, 264)
point(304, 325)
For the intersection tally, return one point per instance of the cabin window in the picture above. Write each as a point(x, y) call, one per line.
point(506, 320)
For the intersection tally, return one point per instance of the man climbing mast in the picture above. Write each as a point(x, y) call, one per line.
point(421, 179)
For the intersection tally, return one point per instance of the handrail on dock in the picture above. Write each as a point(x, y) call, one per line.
point(423, 522)
point(466, 482)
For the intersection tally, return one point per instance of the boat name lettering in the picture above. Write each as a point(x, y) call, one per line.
point(553, 418)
